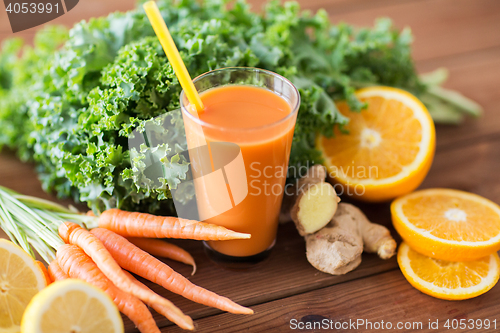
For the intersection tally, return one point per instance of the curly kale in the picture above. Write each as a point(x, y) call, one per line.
point(71, 109)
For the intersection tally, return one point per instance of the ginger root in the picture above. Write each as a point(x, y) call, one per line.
point(314, 201)
point(337, 248)
point(335, 234)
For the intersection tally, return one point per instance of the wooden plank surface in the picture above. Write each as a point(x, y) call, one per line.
point(470, 168)
point(441, 27)
point(285, 273)
point(459, 34)
point(288, 258)
point(262, 283)
point(476, 76)
point(85, 10)
point(391, 300)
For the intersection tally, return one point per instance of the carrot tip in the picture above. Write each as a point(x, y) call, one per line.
point(239, 235)
point(194, 270)
point(240, 309)
point(248, 311)
point(188, 324)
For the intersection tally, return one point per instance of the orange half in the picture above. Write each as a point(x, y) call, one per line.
point(389, 148)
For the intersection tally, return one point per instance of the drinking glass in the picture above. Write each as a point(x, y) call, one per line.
point(240, 173)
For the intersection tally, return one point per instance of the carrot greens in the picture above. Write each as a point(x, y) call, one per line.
point(33, 223)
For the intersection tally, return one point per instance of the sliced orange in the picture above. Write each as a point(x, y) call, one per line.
point(389, 148)
point(448, 224)
point(447, 279)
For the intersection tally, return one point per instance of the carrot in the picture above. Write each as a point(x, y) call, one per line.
point(163, 249)
point(44, 271)
point(76, 264)
point(173, 313)
point(72, 233)
point(56, 273)
point(137, 261)
point(134, 224)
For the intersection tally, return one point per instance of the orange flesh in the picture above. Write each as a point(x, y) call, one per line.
point(265, 154)
point(480, 222)
point(400, 135)
point(449, 274)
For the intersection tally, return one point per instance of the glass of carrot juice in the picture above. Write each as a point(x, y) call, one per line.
point(239, 147)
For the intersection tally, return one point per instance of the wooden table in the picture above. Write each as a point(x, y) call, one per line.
point(462, 35)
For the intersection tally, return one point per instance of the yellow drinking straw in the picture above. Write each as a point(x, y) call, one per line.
point(173, 55)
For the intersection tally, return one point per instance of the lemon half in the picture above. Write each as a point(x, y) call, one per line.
point(72, 306)
point(20, 280)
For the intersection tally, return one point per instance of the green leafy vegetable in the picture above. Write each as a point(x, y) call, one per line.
point(71, 109)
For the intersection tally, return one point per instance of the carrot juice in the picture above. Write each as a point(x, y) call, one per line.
point(259, 122)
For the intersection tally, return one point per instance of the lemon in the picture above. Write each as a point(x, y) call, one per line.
point(448, 224)
point(447, 279)
point(71, 306)
point(20, 280)
point(389, 149)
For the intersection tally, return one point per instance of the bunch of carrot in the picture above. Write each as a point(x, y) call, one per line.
point(103, 256)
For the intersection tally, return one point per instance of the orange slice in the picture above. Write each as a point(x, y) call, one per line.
point(389, 148)
point(446, 279)
point(448, 224)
